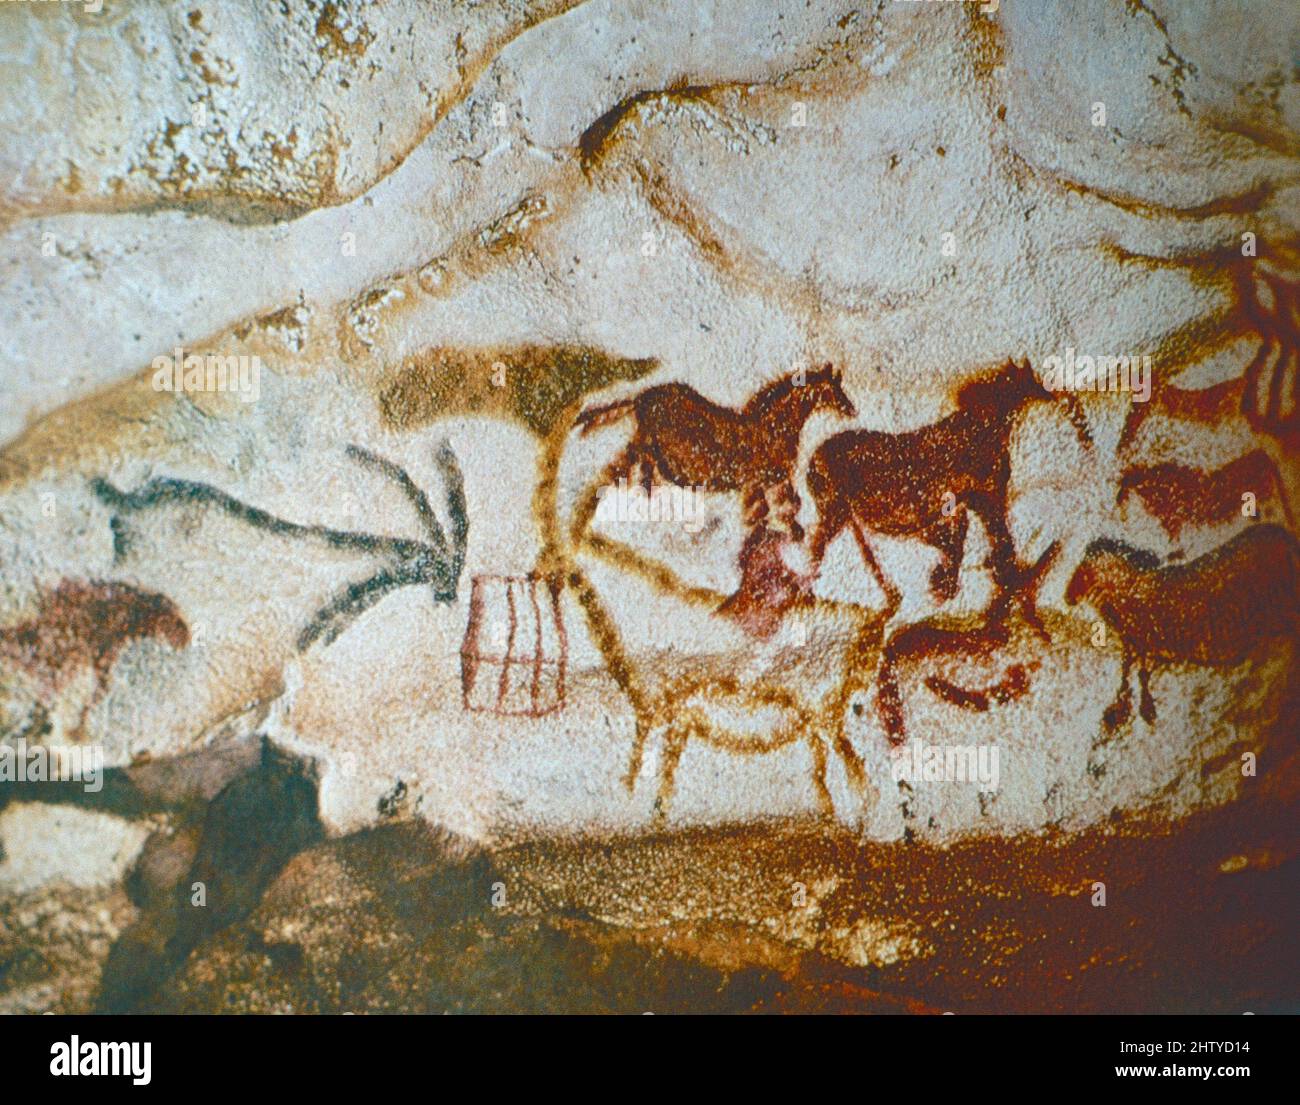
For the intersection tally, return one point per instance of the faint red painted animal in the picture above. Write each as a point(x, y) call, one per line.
point(1267, 306)
point(1014, 610)
point(1213, 611)
point(769, 588)
point(922, 483)
point(86, 624)
point(693, 442)
point(1179, 496)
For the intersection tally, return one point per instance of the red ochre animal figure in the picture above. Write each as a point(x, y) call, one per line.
point(1213, 611)
point(693, 442)
point(922, 483)
point(1012, 610)
point(1179, 496)
point(86, 624)
point(1266, 395)
point(769, 588)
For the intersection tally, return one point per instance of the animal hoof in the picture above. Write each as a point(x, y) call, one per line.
point(1148, 709)
point(1115, 715)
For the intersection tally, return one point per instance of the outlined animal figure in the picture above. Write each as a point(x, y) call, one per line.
point(1213, 611)
point(690, 707)
point(85, 624)
point(922, 483)
point(691, 441)
point(1210, 406)
point(1267, 394)
point(1179, 496)
point(1013, 610)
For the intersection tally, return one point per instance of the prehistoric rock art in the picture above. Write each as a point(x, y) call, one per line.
point(409, 562)
point(1012, 612)
point(689, 441)
point(921, 484)
point(1180, 496)
point(1214, 611)
point(768, 586)
point(84, 625)
point(515, 655)
point(1264, 296)
point(644, 759)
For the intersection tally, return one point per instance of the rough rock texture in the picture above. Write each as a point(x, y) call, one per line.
point(402, 701)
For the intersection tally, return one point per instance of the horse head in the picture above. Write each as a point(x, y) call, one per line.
point(1107, 557)
point(1011, 387)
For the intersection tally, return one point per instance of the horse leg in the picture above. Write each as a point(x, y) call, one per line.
point(893, 597)
point(818, 748)
point(992, 510)
point(949, 537)
point(889, 702)
point(1147, 705)
point(674, 745)
point(1121, 709)
point(828, 528)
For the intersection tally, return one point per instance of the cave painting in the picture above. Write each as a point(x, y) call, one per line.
point(1213, 611)
point(85, 624)
point(691, 441)
point(1012, 613)
point(435, 562)
point(514, 657)
point(921, 484)
point(1262, 297)
point(1178, 495)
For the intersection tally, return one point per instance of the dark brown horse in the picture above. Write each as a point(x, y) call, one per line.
point(921, 484)
point(1214, 611)
point(693, 442)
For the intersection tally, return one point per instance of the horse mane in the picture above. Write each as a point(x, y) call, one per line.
point(770, 394)
point(1130, 554)
point(987, 389)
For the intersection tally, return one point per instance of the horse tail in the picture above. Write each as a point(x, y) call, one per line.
point(889, 701)
point(595, 417)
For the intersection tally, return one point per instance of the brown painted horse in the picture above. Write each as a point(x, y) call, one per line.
point(920, 484)
point(693, 442)
point(1179, 496)
point(1213, 611)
